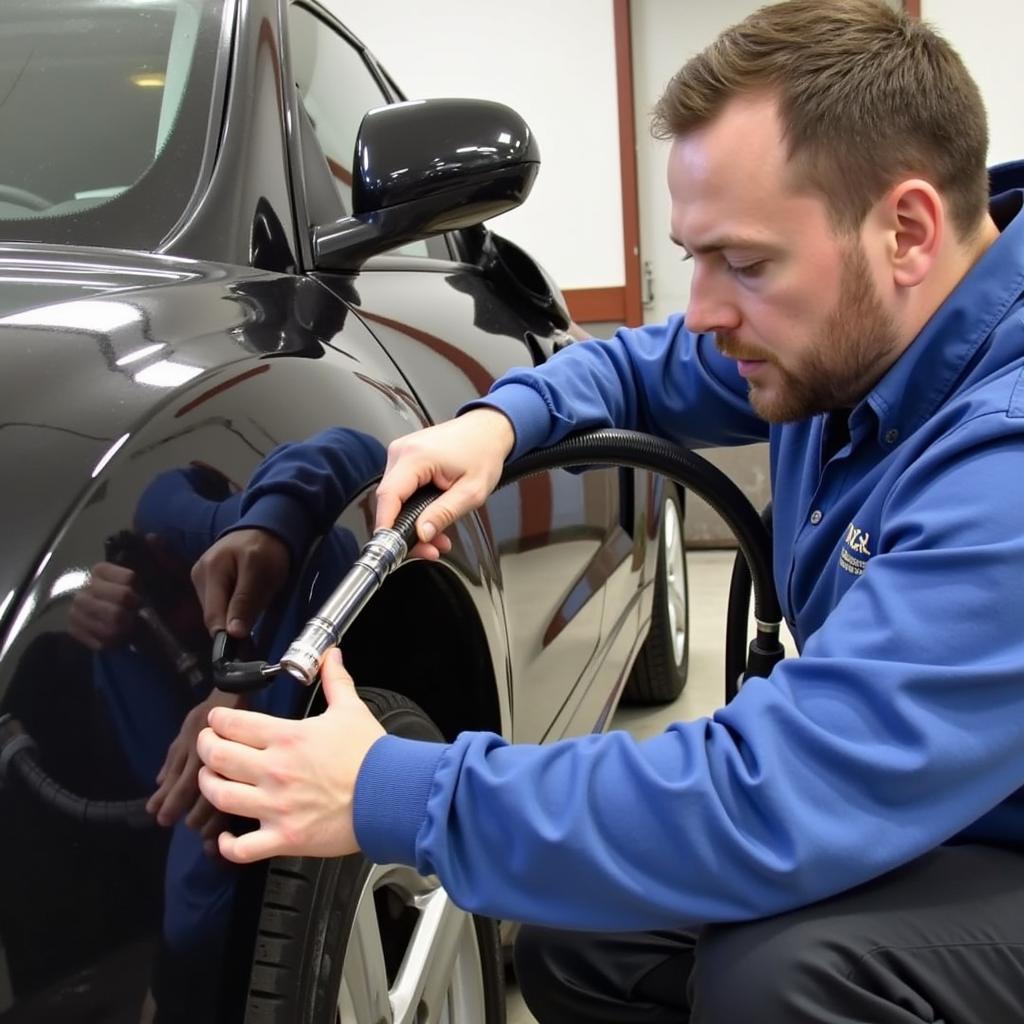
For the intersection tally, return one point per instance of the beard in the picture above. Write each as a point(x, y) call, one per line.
point(855, 348)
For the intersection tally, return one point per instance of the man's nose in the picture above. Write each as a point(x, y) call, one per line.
point(711, 307)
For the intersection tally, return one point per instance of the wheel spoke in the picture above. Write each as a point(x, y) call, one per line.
point(675, 578)
point(364, 974)
point(426, 973)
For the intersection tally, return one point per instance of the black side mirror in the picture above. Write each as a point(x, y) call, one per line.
point(428, 166)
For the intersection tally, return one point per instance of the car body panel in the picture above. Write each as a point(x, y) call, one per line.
point(550, 568)
point(102, 722)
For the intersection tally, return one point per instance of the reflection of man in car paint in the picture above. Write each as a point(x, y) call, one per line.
point(845, 840)
point(265, 533)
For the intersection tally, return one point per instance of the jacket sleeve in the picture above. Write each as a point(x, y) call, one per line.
point(898, 727)
point(660, 379)
point(300, 489)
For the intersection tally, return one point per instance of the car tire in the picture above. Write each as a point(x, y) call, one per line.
point(660, 671)
point(345, 941)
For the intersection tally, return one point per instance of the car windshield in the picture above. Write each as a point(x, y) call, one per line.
point(104, 116)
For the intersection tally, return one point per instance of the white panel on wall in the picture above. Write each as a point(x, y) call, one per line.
point(986, 34)
point(555, 64)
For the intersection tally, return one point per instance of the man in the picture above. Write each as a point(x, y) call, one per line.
point(845, 840)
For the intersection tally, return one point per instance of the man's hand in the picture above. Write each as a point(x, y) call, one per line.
point(103, 613)
point(237, 577)
point(463, 457)
point(178, 780)
point(296, 778)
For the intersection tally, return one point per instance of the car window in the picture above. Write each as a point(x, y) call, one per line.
point(92, 93)
point(336, 88)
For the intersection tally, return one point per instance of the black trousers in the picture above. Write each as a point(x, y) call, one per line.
point(939, 940)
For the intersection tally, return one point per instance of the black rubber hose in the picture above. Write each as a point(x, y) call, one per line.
point(737, 665)
point(18, 758)
point(737, 611)
point(642, 451)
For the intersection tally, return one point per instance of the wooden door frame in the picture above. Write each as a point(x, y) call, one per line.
point(623, 304)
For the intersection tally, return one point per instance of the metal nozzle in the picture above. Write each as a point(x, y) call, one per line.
point(383, 552)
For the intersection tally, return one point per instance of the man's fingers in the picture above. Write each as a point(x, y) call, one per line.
point(174, 765)
point(103, 621)
point(174, 762)
point(213, 587)
point(236, 761)
point(114, 592)
point(248, 727)
point(395, 489)
point(231, 797)
point(242, 610)
point(463, 496)
point(334, 678)
point(388, 506)
point(201, 816)
point(113, 573)
point(440, 545)
point(181, 795)
point(252, 846)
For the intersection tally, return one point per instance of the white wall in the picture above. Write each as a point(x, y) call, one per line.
point(986, 33)
point(666, 34)
point(554, 62)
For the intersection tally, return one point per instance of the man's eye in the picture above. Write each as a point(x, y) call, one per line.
point(749, 270)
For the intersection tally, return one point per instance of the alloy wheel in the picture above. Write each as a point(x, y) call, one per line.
point(412, 955)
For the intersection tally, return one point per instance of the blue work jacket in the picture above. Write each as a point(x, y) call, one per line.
point(899, 561)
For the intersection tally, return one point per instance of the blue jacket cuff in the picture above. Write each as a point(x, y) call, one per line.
point(283, 516)
point(529, 413)
point(390, 803)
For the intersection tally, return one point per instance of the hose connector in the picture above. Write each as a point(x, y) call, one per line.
point(382, 553)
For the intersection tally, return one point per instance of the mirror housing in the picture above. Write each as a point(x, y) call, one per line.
point(513, 269)
point(424, 167)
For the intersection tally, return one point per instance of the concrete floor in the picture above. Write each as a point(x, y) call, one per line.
point(709, 593)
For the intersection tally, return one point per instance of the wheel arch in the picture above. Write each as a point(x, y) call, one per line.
point(422, 636)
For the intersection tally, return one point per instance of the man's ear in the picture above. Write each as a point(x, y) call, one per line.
point(914, 217)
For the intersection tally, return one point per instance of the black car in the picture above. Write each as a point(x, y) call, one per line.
point(214, 265)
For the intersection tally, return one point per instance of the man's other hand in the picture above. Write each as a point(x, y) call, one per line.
point(237, 577)
point(463, 457)
point(104, 612)
point(177, 790)
point(296, 778)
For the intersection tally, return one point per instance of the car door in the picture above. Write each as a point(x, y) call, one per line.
point(557, 535)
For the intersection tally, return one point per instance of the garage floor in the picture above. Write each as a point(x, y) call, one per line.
point(709, 593)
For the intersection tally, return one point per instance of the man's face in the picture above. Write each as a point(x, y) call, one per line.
point(795, 303)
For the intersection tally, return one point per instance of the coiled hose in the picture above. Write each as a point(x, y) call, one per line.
point(18, 759)
point(386, 549)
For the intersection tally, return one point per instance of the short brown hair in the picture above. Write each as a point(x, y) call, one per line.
point(866, 94)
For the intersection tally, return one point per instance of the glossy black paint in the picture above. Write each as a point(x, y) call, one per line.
point(139, 391)
point(420, 148)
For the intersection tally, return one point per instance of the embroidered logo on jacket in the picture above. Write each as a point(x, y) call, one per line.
point(854, 555)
